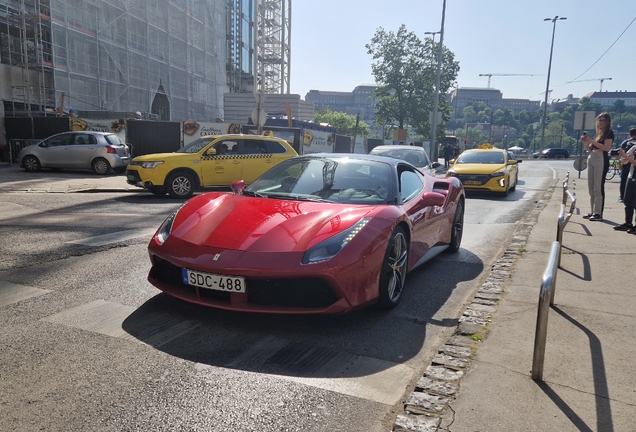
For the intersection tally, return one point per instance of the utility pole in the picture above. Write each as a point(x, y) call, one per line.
point(434, 152)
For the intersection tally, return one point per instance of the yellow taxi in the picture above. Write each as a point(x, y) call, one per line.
point(208, 161)
point(490, 169)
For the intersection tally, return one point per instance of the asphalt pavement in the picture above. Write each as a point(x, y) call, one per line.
point(481, 378)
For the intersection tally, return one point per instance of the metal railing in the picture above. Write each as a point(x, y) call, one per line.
point(15, 145)
point(548, 284)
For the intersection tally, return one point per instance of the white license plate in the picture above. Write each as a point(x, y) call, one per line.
point(235, 284)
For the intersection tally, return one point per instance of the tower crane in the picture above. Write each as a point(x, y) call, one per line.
point(489, 75)
point(592, 79)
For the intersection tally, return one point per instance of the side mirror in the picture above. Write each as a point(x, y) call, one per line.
point(511, 162)
point(238, 186)
point(436, 165)
point(519, 161)
point(43, 144)
point(451, 162)
point(433, 199)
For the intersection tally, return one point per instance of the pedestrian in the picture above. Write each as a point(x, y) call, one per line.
point(629, 198)
point(448, 154)
point(625, 165)
point(598, 164)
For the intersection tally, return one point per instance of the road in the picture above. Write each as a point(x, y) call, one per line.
point(88, 344)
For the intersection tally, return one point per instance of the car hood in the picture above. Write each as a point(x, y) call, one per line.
point(155, 157)
point(236, 222)
point(477, 168)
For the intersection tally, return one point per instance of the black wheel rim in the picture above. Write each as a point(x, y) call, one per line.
point(458, 224)
point(397, 262)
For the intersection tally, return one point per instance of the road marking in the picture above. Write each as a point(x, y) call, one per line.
point(119, 321)
point(13, 293)
point(364, 377)
point(115, 237)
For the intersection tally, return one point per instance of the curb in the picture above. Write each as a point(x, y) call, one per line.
point(429, 404)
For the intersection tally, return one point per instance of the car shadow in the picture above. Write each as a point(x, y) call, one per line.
point(314, 346)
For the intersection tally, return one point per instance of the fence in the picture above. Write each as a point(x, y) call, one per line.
point(548, 284)
point(15, 145)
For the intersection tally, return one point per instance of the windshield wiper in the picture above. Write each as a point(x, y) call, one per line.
point(253, 194)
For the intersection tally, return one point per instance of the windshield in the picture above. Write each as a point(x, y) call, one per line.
point(485, 157)
point(341, 180)
point(196, 145)
point(417, 158)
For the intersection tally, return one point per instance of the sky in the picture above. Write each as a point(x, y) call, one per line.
point(328, 39)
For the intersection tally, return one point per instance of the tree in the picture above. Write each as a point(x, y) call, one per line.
point(345, 123)
point(405, 71)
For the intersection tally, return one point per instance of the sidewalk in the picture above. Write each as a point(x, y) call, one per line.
point(588, 378)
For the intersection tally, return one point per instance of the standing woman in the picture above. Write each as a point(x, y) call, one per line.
point(598, 164)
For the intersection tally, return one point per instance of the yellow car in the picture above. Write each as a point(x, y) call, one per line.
point(209, 161)
point(494, 169)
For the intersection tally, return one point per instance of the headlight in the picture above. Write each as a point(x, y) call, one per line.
point(332, 246)
point(166, 228)
point(451, 173)
point(146, 164)
point(498, 174)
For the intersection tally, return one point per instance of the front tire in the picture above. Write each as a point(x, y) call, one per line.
point(31, 164)
point(100, 166)
point(180, 185)
point(457, 230)
point(393, 272)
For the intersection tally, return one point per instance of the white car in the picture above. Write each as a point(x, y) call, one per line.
point(414, 155)
point(97, 151)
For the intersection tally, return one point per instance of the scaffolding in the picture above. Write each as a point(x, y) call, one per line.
point(166, 57)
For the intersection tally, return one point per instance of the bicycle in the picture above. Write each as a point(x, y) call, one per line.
point(614, 168)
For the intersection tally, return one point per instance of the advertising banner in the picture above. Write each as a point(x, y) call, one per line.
point(317, 141)
point(116, 126)
point(193, 130)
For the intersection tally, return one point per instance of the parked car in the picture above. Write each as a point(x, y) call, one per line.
point(416, 156)
point(215, 160)
point(317, 234)
point(98, 151)
point(495, 170)
point(555, 153)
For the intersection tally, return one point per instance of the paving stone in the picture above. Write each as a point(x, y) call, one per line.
point(481, 308)
point(415, 423)
point(444, 388)
point(476, 314)
point(469, 328)
point(456, 351)
point(484, 301)
point(473, 320)
point(491, 290)
point(483, 295)
point(460, 341)
point(450, 361)
point(442, 373)
point(420, 403)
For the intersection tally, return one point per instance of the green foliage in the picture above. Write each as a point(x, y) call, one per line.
point(345, 123)
point(405, 70)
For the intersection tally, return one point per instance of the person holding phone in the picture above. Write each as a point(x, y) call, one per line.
point(598, 164)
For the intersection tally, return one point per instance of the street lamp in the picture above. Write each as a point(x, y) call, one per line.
point(432, 33)
point(434, 155)
point(547, 85)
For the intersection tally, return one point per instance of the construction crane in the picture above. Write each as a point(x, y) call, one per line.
point(592, 79)
point(489, 75)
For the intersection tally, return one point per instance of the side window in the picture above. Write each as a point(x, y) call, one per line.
point(82, 139)
point(254, 147)
point(226, 147)
point(410, 185)
point(59, 140)
point(274, 147)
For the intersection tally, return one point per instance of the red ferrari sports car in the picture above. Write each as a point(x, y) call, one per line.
point(322, 233)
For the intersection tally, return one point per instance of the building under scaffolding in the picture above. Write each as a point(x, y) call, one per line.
point(165, 58)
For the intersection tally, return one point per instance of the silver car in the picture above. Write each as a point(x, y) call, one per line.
point(414, 155)
point(98, 151)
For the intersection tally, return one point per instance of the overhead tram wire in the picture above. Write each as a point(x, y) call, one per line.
point(606, 51)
